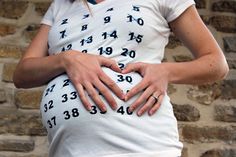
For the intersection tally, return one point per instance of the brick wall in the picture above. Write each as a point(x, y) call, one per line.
point(206, 114)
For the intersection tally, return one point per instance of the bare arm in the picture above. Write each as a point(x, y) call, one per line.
point(209, 65)
point(35, 67)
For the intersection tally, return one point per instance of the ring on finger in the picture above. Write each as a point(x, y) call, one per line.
point(156, 98)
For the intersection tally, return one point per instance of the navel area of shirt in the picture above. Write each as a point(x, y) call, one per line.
point(73, 131)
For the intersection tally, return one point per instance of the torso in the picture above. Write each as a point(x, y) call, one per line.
point(127, 31)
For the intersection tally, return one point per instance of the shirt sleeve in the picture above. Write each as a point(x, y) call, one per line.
point(48, 18)
point(174, 8)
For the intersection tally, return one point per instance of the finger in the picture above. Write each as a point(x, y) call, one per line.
point(83, 97)
point(132, 67)
point(157, 105)
point(146, 94)
point(146, 106)
point(112, 85)
point(109, 63)
point(136, 89)
point(106, 93)
point(95, 97)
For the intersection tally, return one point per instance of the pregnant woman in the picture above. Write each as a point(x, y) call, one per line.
point(106, 85)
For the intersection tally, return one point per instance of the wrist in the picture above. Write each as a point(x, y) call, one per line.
point(169, 72)
point(63, 60)
point(66, 58)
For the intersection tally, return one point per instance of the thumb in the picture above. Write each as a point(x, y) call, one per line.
point(109, 63)
point(133, 67)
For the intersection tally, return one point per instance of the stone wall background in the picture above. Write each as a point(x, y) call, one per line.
point(206, 114)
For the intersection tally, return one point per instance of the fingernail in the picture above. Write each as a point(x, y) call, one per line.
point(151, 113)
point(126, 98)
point(104, 109)
point(130, 109)
point(123, 97)
point(139, 114)
point(114, 107)
point(89, 108)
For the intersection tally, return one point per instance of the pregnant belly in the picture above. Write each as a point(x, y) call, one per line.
point(67, 121)
point(61, 103)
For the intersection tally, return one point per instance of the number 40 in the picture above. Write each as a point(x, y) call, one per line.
point(122, 110)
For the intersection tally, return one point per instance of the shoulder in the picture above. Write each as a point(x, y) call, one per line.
point(170, 4)
point(59, 3)
point(172, 9)
point(59, 7)
point(56, 10)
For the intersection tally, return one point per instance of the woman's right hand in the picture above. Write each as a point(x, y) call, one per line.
point(85, 73)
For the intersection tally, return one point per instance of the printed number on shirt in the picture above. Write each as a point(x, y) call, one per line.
point(85, 16)
point(84, 51)
point(66, 83)
point(107, 50)
point(107, 19)
point(84, 27)
point(126, 52)
point(86, 41)
point(136, 8)
point(52, 122)
point(67, 48)
point(63, 34)
point(122, 110)
point(73, 113)
point(110, 9)
point(112, 35)
point(125, 91)
point(49, 90)
point(48, 106)
point(95, 110)
point(72, 96)
point(65, 21)
point(122, 78)
point(137, 37)
point(138, 20)
point(121, 65)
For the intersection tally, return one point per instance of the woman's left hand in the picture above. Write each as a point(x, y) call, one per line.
point(154, 85)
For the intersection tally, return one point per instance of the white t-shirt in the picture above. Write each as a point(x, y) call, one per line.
point(126, 31)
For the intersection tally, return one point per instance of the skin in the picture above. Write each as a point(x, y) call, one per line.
point(98, 1)
point(209, 65)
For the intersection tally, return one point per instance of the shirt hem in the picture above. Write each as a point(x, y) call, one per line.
point(46, 22)
point(180, 10)
point(169, 153)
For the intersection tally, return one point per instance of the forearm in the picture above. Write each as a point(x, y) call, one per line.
point(33, 72)
point(206, 69)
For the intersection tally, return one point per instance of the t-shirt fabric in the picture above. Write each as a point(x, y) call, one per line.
point(126, 31)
